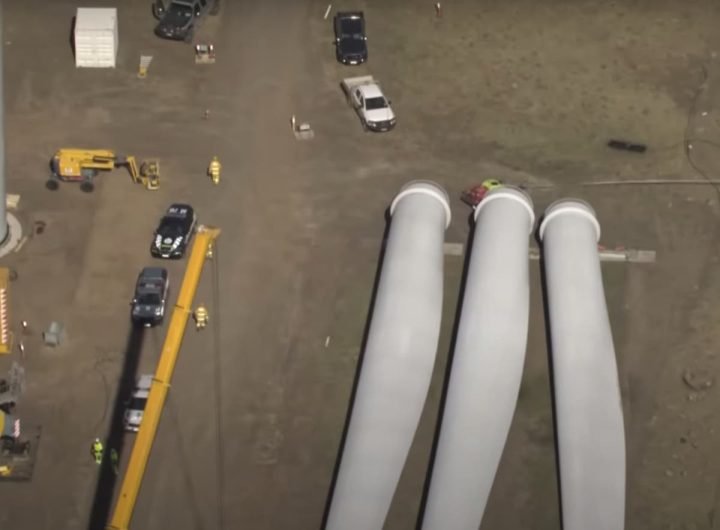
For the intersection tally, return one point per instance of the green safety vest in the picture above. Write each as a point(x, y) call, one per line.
point(491, 184)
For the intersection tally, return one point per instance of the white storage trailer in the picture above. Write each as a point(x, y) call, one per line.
point(96, 37)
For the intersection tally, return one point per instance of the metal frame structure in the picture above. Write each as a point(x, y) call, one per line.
point(6, 335)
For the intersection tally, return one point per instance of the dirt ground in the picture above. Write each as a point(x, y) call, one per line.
point(528, 92)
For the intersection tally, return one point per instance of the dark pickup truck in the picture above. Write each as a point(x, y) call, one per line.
point(179, 18)
point(151, 290)
point(350, 39)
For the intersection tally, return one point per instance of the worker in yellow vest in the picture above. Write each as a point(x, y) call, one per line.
point(201, 317)
point(97, 451)
point(214, 170)
point(491, 184)
point(477, 193)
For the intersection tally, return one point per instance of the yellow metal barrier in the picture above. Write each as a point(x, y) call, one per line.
point(5, 331)
point(161, 383)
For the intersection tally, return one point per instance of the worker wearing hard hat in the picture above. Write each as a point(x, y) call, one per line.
point(214, 170)
point(201, 317)
point(97, 451)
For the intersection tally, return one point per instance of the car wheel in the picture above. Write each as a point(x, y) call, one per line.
point(87, 186)
point(364, 125)
point(52, 184)
point(188, 36)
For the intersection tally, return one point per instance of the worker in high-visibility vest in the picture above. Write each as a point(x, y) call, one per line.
point(201, 317)
point(97, 451)
point(214, 170)
point(474, 195)
point(491, 184)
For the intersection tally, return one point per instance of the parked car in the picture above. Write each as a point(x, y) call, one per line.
point(174, 232)
point(151, 290)
point(135, 406)
point(350, 39)
point(179, 19)
point(365, 96)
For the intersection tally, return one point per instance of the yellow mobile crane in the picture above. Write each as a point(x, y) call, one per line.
point(202, 248)
point(83, 165)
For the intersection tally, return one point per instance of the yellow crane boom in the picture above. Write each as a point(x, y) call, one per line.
point(161, 383)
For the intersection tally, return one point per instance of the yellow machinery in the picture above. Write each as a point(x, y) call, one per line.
point(149, 175)
point(161, 382)
point(83, 165)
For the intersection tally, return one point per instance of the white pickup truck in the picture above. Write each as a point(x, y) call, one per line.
point(364, 95)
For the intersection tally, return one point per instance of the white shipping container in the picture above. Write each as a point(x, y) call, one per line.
point(96, 37)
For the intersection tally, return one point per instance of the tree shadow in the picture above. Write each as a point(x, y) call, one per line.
point(106, 483)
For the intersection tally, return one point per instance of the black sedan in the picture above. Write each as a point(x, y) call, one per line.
point(174, 232)
point(350, 39)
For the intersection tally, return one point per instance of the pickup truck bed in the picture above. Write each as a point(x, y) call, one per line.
point(363, 93)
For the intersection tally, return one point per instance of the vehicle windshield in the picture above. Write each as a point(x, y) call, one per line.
point(149, 299)
point(180, 10)
point(375, 103)
point(137, 403)
point(352, 27)
point(172, 227)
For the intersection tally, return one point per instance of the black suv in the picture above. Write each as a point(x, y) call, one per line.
point(179, 19)
point(350, 39)
point(148, 305)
